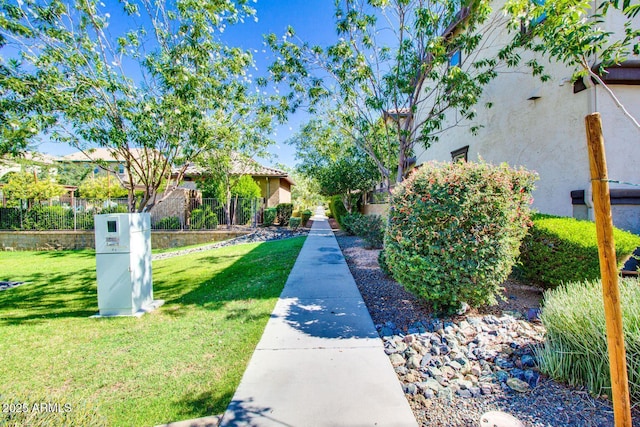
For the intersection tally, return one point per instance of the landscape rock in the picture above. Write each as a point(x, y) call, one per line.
point(467, 359)
point(518, 385)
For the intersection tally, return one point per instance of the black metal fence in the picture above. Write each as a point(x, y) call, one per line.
point(169, 214)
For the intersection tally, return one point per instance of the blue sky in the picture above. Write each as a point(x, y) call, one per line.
point(313, 22)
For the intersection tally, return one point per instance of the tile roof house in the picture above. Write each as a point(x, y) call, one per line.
point(101, 156)
point(275, 185)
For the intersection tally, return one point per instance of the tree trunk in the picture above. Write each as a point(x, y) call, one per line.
point(228, 207)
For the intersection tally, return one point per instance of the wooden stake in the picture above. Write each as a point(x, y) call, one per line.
point(608, 271)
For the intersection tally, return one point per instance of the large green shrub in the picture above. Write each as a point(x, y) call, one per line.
point(306, 216)
point(348, 222)
point(575, 349)
point(369, 227)
point(203, 219)
point(337, 208)
point(48, 218)
point(558, 250)
point(283, 213)
point(246, 190)
point(294, 222)
point(10, 218)
point(269, 216)
point(168, 223)
point(455, 230)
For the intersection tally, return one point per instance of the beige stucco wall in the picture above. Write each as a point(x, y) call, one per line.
point(547, 135)
point(284, 191)
point(381, 209)
point(275, 190)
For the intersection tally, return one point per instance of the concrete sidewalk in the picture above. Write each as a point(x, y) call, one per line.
point(320, 361)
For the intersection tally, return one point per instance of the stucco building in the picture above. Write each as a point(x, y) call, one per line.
point(541, 126)
point(275, 185)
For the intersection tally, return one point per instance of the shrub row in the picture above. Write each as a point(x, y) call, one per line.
point(283, 213)
point(306, 216)
point(269, 216)
point(294, 222)
point(558, 250)
point(203, 219)
point(455, 231)
point(575, 349)
point(51, 218)
point(167, 223)
point(369, 227)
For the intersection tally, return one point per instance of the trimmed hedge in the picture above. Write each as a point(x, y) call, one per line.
point(455, 231)
point(203, 219)
point(269, 216)
point(48, 218)
point(306, 216)
point(294, 222)
point(283, 213)
point(337, 208)
point(168, 223)
point(559, 249)
point(575, 348)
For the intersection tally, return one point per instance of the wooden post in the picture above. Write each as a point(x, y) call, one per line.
point(608, 271)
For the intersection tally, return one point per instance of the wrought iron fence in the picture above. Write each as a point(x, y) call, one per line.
point(169, 214)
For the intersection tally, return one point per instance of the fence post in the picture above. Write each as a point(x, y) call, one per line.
point(74, 206)
point(609, 272)
point(254, 213)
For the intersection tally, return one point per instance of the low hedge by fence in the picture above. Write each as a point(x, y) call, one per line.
point(559, 250)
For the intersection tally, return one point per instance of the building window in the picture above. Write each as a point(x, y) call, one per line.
point(455, 58)
point(96, 170)
point(460, 154)
point(121, 169)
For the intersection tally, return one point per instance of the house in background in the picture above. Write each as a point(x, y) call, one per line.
point(275, 185)
point(31, 161)
point(97, 157)
point(541, 126)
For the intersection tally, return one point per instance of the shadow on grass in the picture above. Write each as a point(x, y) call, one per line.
point(44, 297)
point(204, 404)
point(258, 274)
point(62, 254)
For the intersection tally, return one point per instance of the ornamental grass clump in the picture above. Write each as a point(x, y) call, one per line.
point(455, 230)
point(575, 349)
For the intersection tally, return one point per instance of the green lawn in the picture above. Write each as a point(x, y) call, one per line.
point(182, 361)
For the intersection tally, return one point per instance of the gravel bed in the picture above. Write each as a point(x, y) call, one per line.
point(455, 370)
point(258, 235)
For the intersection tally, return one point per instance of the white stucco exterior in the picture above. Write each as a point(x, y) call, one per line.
point(541, 126)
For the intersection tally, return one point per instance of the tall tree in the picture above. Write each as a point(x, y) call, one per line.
point(403, 61)
point(154, 88)
point(238, 141)
point(329, 157)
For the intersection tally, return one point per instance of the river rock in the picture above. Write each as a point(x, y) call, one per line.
point(518, 385)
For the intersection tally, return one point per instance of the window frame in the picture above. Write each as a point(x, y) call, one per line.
point(460, 154)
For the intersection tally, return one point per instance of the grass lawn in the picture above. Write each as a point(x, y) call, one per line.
point(183, 361)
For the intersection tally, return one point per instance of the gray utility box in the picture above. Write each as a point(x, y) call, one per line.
point(123, 263)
